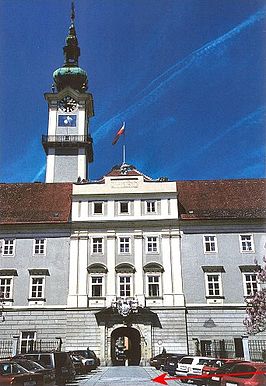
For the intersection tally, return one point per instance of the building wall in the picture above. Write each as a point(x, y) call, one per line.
point(55, 260)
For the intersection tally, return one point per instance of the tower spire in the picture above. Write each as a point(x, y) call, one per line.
point(71, 49)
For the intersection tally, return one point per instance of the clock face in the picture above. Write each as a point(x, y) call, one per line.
point(67, 104)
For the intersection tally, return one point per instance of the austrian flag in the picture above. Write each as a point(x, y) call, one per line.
point(119, 133)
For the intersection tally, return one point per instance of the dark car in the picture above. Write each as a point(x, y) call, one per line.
point(59, 361)
point(11, 373)
point(171, 362)
point(82, 365)
point(215, 379)
point(87, 354)
point(159, 360)
point(34, 367)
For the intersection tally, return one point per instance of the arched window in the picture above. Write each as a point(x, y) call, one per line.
point(125, 272)
point(97, 273)
point(153, 279)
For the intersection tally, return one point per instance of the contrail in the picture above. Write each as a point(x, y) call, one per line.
point(249, 120)
point(157, 86)
point(39, 174)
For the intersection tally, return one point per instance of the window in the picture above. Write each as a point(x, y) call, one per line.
point(39, 246)
point(210, 244)
point(124, 245)
point(97, 245)
point(97, 208)
point(37, 287)
point(6, 284)
point(125, 286)
point(246, 243)
point(124, 207)
point(213, 284)
point(154, 285)
point(8, 247)
point(27, 341)
point(151, 206)
point(97, 286)
point(250, 284)
point(152, 244)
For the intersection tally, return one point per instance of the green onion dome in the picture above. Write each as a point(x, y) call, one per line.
point(74, 77)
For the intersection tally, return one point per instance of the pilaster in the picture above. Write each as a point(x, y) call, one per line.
point(167, 275)
point(139, 283)
point(110, 277)
point(73, 272)
point(82, 272)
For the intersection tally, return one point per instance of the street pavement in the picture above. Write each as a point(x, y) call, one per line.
point(120, 375)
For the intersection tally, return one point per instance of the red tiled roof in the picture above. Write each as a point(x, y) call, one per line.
point(213, 199)
point(35, 203)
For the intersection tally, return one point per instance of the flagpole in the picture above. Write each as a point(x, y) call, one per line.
point(124, 154)
point(124, 145)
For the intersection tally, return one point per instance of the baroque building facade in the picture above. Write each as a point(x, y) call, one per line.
point(152, 263)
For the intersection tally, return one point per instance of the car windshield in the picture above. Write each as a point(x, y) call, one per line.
point(225, 368)
point(186, 361)
point(30, 365)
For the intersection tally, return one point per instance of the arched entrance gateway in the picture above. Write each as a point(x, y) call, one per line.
point(125, 346)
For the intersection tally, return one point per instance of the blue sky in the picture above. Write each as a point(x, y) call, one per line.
point(187, 76)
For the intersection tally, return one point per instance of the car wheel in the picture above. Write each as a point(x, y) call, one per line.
point(157, 367)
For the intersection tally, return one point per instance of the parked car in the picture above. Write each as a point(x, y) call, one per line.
point(191, 365)
point(11, 373)
point(159, 360)
point(171, 363)
point(82, 365)
point(244, 379)
point(59, 361)
point(215, 380)
point(34, 367)
point(88, 354)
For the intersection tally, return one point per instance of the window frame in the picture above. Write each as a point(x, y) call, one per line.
point(129, 245)
point(251, 241)
point(97, 275)
point(126, 275)
point(155, 206)
point(149, 275)
point(7, 240)
point(207, 289)
point(152, 242)
point(245, 282)
point(32, 298)
point(44, 246)
point(93, 208)
point(6, 301)
point(128, 207)
point(102, 245)
point(33, 340)
point(214, 241)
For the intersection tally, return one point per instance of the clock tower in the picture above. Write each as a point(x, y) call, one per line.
point(68, 144)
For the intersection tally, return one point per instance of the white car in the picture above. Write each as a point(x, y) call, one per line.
point(191, 365)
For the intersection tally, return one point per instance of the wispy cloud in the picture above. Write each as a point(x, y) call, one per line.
point(254, 118)
point(154, 90)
